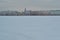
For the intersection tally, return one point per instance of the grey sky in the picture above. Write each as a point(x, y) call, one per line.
point(29, 4)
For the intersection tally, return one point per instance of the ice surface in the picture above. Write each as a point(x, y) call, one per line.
point(30, 28)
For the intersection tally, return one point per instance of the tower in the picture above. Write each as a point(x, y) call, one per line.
point(25, 10)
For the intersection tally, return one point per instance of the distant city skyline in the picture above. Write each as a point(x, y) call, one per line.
point(29, 4)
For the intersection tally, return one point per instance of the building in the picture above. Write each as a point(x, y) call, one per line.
point(55, 12)
point(39, 12)
point(26, 12)
point(9, 13)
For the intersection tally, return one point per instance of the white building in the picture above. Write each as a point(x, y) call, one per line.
point(27, 12)
point(55, 12)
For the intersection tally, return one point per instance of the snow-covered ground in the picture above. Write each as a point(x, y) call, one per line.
point(30, 28)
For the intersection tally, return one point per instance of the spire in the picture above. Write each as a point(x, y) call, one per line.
point(25, 10)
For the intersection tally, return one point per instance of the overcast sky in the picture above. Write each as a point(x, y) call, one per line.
point(29, 4)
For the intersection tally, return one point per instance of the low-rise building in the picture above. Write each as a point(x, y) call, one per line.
point(9, 13)
point(55, 12)
point(39, 12)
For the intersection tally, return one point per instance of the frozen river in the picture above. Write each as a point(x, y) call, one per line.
point(30, 28)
